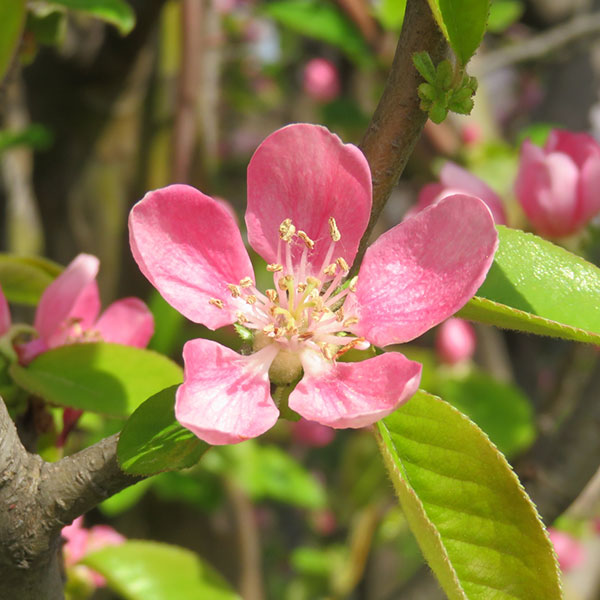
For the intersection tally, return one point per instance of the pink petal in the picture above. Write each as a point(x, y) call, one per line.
point(578, 146)
point(190, 248)
point(423, 270)
point(225, 397)
point(76, 537)
point(589, 184)
point(312, 434)
point(128, 322)
point(354, 395)
point(5, 321)
point(428, 194)
point(455, 341)
point(305, 173)
point(72, 295)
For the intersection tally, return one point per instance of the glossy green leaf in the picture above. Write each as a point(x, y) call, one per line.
point(12, 20)
point(474, 523)
point(390, 13)
point(116, 12)
point(465, 22)
point(323, 21)
point(538, 287)
point(503, 13)
point(140, 570)
point(500, 409)
point(23, 278)
point(105, 378)
point(152, 441)
point(125, 499)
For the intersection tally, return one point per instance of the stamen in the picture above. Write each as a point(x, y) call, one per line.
point(216, 302)
point(342, 264)
point(350, 321)
point(241, 317)
point(313, 282)
point(285, 282)
point(246, 282)
point(251, 299)
point(334, 232)
point(309, 243)
point(271, 295)
point(355, 342)
point(301, 287)
point(339, 315)
point(274, 267)
point(352, 284)
point(330, 270)
point(287, 230)
point(234, 289)
point(306, 336)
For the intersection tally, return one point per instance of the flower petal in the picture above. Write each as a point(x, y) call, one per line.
point(128, 322)
point(190, 248)
point(423, 270)
point(72, 295)
point(354, 394)
point(305, 173)
point(225, 397)
point(4, 314)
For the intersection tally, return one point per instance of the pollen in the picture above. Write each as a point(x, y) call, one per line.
point(352, 284)
point(274, 267)
point(330, 270)
point(234, 289)
point(287, 230)
point(285, 282)
point(334, 232)
point(216, 302)
point(343, 265)
point(246, 282)
point(271, 295)
point(309, 243)
point(251, 299)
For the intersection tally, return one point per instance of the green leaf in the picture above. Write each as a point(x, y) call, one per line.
point(116, 12)
point(125, 499)
point(12, 20)
point(425, 66)
point(105, 378)
point(140, 570)
point(47, 28)
point(322, 21)
point(474, 523)
point(503, 13)
point(152, 441)
point(23, 278)
point(538, 287)
point(390, 14)
point(465, 22)
point(500, 409)
point(35, 136)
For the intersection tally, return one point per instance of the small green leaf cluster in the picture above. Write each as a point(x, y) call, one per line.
point(441, 92)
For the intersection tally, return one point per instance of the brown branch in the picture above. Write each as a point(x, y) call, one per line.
point(398, 121)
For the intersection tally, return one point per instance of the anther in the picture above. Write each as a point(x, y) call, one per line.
point(343, 265)
point(234, 289)
point(251, 299)
point(246, 282)
point(330, 270)
point(286, 230)
point(353, 344)
point(285, 282)
point(350, 321)
point(313, 282)
point(309, 243)
point(301, 287)
point(339, 315)
point(305, 336)
point(334, 232)
point(274, 267)
point(352, 285)
point(271, 295)
point(241, 317)
point(216, 302)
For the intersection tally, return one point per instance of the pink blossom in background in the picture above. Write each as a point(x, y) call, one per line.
point(5, 321)
point(569, 551)
point(455, 341)
point(321, 80)
point(456, 180)
point(471, 133)
point(557, 185)
point(79, 542)
point(309, 201)
point(313, 434)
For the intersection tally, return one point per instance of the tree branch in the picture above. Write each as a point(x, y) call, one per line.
point(398, 121)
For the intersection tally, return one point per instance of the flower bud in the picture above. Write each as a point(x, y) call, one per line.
point(569, 551)
point(313, 434)
point(455, 341)
point(321, 80)
point(557, 185)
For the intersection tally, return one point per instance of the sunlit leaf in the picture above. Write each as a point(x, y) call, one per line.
point(12, 20)
point(24, 278)
point(116, 12)
point(503, 13)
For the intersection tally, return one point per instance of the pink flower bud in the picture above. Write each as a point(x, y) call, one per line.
point(569, 551)
point(456, 180)
point(310, 433)
point(321, 80)
point(455, 341)
point(557, 185)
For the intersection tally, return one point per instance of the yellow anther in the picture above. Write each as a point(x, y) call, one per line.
point(350, 321)
point(234, 289)
point(285, 282)
point(342, 264)
point(301, 287)
point(313, 282)
point(352, 284)
point(309, 243)
point(271, 294)
point(246, 282)
point(306, 336)
point(269, 330)
point(241, 317)
point(216, 302)
point(328, 352)
point(334, 232)
point(274, 267)
point(339, 315)
point(287, 230)
point(355, 342)
point(250, 299)
point(330, 270)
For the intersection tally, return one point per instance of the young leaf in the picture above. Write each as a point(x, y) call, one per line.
point(503, 13)
point(140, 570)
point(465, 22)
point(23, 278)
point(116, 12)
point(425, 66)
point(476, 526)
point(538, 287)
point(152, 441)
point(105, 378)
point(12, 20)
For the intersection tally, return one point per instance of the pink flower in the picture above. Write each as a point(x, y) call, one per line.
point(309, 201)
point(569, 550)
point(557, 185)
point(69, 308)
point(79, 542)
point(321, 80)
point(455, 341)
point(456, 180)
point(5, 321)
point(310, 433)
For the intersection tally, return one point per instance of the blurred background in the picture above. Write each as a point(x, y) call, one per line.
point(96, 111)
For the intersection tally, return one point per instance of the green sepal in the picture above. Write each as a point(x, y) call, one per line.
point(424, 65)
